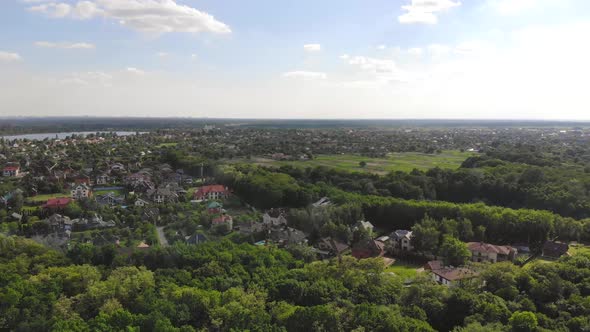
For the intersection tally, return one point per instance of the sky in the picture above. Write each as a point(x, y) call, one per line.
point(345, 59)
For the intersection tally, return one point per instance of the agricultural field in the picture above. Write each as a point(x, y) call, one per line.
point(403, 161)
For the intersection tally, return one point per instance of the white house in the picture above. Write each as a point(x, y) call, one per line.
point(11, 171)
point(401, 240)
point(81, 191)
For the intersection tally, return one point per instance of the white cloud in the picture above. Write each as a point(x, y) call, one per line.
point(162, 54)
point(55, 10)
point(135, 71)
point(425, 11)
point(150, 16)
point(9, 57)
point(381, 47)
point(65, 45)
point(305, 75)
point(87, 78)
point(312, 47)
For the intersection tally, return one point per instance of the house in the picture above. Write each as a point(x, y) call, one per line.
point(485, 252)
point(252, 227)
point(162, 195)
point(110, 199)
point(59, 223)
point(452, 276)
point(81, 191)
point(92, 223)
point(150, 214)
point(11, 171)
point(141, 203)
point(273, 218)
point(117, 167)
point(212, 192)
point(368, 248)
point(324, 201)
point(554, 249)
point(214, 207)
point(401, 240)
point(333, 247)
point(364, 225)
point(286, 235)
point(223, 219)
point(433, 265)
point(174, 187)
point(82, 179)
point(103, 179)
point(57, 203)
point(196, 238)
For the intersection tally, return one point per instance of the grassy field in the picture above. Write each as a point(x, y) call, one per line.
point(578, 249)
point(404, 161)
point(45, 197)
point(404, 270)
point(104, 192)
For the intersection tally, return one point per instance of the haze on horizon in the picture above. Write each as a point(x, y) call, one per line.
point(347, 59)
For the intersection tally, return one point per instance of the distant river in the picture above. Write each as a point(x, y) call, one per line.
point(43, 136)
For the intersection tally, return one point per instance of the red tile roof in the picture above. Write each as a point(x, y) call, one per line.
point(216, 188)
point(57, 202)
point(11, 168)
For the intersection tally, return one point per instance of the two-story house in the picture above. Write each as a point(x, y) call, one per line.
point(485, 252)
point(401, 240)
point(11, 171)
point(81, 191)
point(212, 192)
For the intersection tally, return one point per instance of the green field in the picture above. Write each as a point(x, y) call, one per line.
point(404, 270)
point(104, 192)
point(404, 161)
point(579, 249)
point(45, 197)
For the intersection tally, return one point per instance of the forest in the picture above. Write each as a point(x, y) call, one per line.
point(227, 287)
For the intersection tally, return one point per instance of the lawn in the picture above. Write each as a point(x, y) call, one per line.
point(578, 249)
point(403, 161)
point(104, 192)
point(404, 270)
point(45, 197)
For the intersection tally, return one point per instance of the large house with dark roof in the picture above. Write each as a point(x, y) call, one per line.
point(554, 249)
point(368, 248)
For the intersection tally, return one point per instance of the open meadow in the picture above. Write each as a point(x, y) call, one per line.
point(401, 161)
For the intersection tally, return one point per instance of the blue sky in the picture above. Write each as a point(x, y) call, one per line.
point(296, 59)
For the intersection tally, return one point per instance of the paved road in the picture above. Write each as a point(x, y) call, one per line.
point(162, 237)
